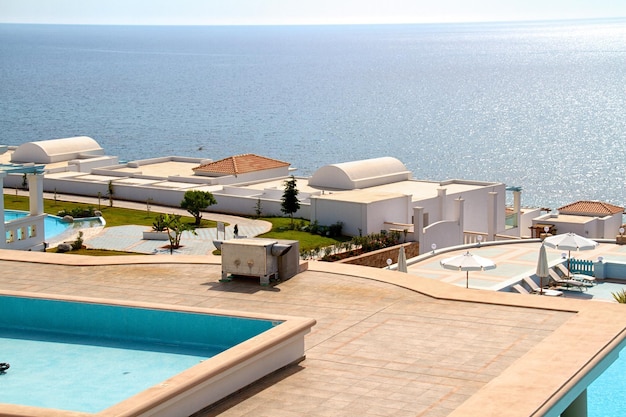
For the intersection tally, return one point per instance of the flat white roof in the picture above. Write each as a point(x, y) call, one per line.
point(361, 196)
point(162, 169)
point(174, 184)
point(566, 218)
point(136, 181)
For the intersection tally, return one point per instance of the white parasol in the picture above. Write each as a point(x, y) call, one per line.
point(543, 269)
point(467, 262)
point(402, 267)
point(570, 242)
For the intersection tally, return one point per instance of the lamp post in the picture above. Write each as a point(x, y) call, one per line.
point(433, 247)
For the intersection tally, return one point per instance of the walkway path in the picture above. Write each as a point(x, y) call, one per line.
point(130, 239)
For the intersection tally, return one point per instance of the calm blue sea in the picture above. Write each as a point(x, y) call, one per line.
point(536, 105)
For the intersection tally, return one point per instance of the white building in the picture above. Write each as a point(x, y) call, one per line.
point(591, 219)
point(378, 194)
point(365, 196)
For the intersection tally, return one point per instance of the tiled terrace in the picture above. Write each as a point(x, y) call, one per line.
point(385, 343)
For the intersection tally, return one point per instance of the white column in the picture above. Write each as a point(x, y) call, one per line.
point(35, 194)
point(578, 407)
point(418, 227)
point(517, 207)
point(460, 218)
point(441, 196)
point(492, 218)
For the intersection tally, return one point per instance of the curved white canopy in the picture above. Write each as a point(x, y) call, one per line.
point(55, 150)
point(360, 174)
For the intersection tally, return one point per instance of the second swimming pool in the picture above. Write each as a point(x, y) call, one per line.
point(90, 357)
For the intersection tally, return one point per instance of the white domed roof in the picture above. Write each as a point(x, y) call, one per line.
point(360, 174)
point(55, 150)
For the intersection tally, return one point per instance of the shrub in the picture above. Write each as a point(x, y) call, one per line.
point(78, 212)
point(159, 224)
point(78, 243)
point(620, 296)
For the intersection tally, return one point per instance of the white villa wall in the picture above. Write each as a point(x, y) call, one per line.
point(476, 208)
point(590, 227)
point(526, 221)
point(246, 205)
point(563, 226)
point(443, 234)
point(352, 215)
point(611, 225)
point(86, 165)
point(360, 217)
point(394, 210)
point(431, 207)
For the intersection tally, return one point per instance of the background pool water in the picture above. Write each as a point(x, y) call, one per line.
point(52, 224)
point(606, 396)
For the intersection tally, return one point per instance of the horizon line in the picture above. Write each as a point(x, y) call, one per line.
point(268, 24)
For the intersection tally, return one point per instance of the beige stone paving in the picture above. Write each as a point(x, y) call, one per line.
point(377, 350)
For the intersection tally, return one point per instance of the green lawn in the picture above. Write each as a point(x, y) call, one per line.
point(308, 241)
point(114, 216)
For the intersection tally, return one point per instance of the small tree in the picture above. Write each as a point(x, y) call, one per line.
point(290, 203)
point(174, 224)
point(194, 201)
point(257, 208)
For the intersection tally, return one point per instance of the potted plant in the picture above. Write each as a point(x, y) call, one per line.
point(159, 229)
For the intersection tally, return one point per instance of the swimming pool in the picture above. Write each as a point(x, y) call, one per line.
point(606, 396)
point(54, 225)
point(78, 355)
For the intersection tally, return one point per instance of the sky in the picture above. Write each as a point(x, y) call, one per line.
point(296, 12)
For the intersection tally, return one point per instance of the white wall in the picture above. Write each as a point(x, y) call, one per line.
point(526, 222)
point(86, 165)
point(476, 208)
point(353, 216)
point(611, 225)
point(358, 217)
point(593, 228)
point(392, 210)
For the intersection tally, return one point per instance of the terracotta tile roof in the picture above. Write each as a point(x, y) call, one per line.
point(591, 208)
point(241, 164)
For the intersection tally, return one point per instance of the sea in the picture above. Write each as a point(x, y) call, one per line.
point(536, 105)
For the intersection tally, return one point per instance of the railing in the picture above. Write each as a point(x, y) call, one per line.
point(24, 232)
point(581, 266)
point(470, 238)
point(405, 230)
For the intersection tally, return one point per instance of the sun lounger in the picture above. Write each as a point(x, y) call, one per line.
point(567, 283)
point(565, 274)
point(537, 290)
point(520, 289)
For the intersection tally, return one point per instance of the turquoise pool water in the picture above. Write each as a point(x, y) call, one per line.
point(54, 226)
point(87, 357)
point(606, 396)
